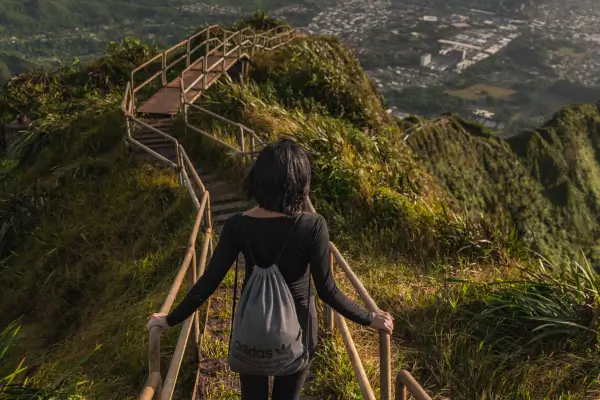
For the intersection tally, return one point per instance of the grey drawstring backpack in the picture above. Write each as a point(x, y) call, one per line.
point(266, 338)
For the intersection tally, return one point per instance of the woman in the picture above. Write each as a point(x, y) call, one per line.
point(279, 181)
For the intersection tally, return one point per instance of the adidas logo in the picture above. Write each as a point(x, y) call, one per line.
point(263, 353)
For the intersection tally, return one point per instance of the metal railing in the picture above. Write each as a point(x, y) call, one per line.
point(154, 387)
point(406, 383)
point(214, 40)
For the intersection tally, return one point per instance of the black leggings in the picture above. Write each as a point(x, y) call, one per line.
point(284, 387)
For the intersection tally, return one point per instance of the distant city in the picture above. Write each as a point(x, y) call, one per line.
point(458, 48)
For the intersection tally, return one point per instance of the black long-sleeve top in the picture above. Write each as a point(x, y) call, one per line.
point(308, 245)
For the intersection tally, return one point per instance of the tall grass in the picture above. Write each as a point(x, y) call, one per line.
point(20, 382)
point(89, 239)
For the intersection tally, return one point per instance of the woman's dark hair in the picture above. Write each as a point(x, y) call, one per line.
point(279, 180)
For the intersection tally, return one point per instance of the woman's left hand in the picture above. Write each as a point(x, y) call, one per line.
point(157, 319)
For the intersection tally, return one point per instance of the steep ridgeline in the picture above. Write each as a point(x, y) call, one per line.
point(436, 228)
point(544, 182)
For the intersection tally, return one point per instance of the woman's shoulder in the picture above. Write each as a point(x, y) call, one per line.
point(314, 219)
point(234, 221)
point(307, 218)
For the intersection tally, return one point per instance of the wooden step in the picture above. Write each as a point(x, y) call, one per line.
point(230, 206)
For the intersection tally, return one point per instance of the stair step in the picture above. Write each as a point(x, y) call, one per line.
point(222, 217)
point(229, 206)
point(222, 189)
point(160, 122)
point(151, 141)
point(226, 197)
point(215, 185)
point(164, 151)
point(161, 127)
point(207, 177)
point(161, 149)
point(149, 134)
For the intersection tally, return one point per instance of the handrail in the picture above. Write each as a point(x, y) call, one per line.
point(271, 39)
point(385, 357)
point(405, 382)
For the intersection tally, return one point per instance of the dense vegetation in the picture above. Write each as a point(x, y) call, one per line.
point(437, 227)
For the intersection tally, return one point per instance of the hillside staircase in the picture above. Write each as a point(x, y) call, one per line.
point(169, 85)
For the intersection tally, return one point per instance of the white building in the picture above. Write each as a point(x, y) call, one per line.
point(425, 60)
point(464, 64)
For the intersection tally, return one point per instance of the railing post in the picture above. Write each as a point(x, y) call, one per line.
point(252, 145)
point(239, 52)
point(385, 360)
point(132, 94)
point(188, 59)
point(241, 139)
point(405, 380)
point(328, 311)
point(400, 389)
point(181, 93)
point(154, 360)
point(164, 68)
point(196, 323)
point(179, 164)
point(205, 69)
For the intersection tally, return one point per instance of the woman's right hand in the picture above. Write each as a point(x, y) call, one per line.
point(157, 319)
point(382, 321)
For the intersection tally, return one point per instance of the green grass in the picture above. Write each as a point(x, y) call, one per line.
point(479, 91)
point(90, 239)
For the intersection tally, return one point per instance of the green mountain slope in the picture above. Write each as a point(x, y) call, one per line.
point(542, 182)
point(436, 227)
